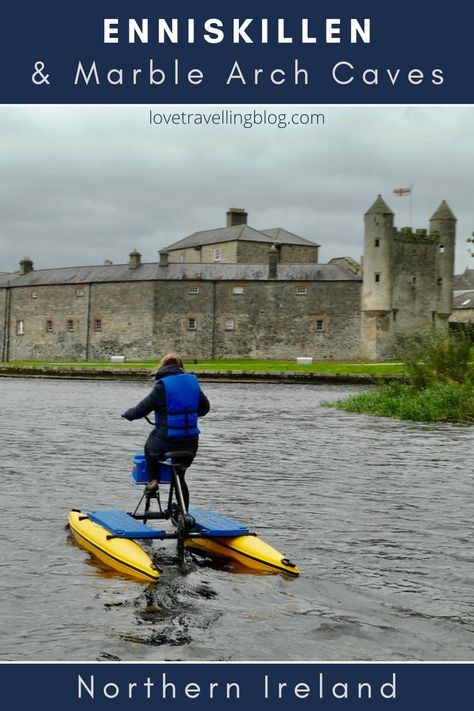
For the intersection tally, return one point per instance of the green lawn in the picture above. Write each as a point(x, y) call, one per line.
point(386, 368)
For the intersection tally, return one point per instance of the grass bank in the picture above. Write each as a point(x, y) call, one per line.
point(438, 383)
point(441, 402)
point(235, 366)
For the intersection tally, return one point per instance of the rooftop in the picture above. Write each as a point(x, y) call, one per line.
point(172, 272)
point(238, 229)
point(465, 280)
point(463, 299)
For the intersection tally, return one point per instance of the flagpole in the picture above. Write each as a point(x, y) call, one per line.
point(407, 191)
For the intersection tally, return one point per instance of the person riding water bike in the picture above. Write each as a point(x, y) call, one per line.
point(177, 401)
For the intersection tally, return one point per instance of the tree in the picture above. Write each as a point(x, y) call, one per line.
point(470, 240)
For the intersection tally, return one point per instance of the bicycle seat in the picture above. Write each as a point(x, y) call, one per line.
point(180, 456)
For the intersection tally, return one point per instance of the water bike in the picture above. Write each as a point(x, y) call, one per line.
point(111, 536)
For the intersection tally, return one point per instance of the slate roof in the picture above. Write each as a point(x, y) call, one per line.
point(173, 272)
point(379, 207)
point(282, 236)
point(443, 212)
point(243, 233)
point(465, 280)
point(463, 299)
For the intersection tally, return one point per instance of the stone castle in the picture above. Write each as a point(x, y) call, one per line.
point(237, 292)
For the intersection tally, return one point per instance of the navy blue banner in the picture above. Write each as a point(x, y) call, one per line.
point(345, 52)
point(237, 686)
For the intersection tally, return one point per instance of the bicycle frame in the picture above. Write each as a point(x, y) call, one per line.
point(176, 509)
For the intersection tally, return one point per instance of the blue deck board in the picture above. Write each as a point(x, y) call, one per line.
point(122, 525)
point(213, 524)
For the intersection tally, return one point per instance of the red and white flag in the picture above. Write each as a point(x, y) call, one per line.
point(402, 191)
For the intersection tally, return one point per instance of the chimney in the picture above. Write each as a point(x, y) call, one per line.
point(272, 262)
point(26, 265)
point(134, 259)
point(163, 259)
point(236, 216)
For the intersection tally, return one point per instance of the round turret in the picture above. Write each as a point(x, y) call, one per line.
point(377, 278)
point(443, 227)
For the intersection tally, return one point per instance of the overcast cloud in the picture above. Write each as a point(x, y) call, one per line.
point(79, 185)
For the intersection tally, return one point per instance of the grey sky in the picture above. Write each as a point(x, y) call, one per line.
point(79, 185)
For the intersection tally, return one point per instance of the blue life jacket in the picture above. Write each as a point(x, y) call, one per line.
point(182, 393)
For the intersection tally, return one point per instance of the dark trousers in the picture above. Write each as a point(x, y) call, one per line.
point(155, 450)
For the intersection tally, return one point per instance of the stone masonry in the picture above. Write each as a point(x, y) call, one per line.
point(264, 295)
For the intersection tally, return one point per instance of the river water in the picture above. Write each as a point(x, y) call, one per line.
point(377, 513)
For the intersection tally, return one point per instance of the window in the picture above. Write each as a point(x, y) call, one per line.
point(440, 281)
point(377, 277)
point(193, 290)
point(319, 325)
point(98, 324)
point(441, 248)
point(301, 290)
point(79, 292)
point(238, 290)
point(34, 294)
point(229, 324)
point(191, 324)
point(182, 257)
point(20, 328)
point(49, 326)
point(413, 281)
point(70, 325)
point(377, 242)
point(217, 254)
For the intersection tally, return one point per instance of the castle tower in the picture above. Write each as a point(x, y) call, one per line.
point(407, 278)
point(377, 279)
point(443, 229)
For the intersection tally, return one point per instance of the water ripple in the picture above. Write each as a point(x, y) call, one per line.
point(377, 513)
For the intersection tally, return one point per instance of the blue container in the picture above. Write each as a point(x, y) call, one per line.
point(140, 471)
point(166, 471)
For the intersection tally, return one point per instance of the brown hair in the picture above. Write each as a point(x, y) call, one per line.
point(170, 359)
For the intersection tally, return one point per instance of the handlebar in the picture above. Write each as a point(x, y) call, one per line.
point(150, 422)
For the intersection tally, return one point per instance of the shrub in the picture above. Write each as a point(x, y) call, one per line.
point(437, 357)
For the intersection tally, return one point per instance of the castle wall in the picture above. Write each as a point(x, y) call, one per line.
point(267, 320)
point(81, 322)
point(176, 309)
point(3, 321)
point(407, 286)
point(202, 319)
point(407, 278)
point(272, 320)
point(54, 322)
point(413, 278)
point(125, 313)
